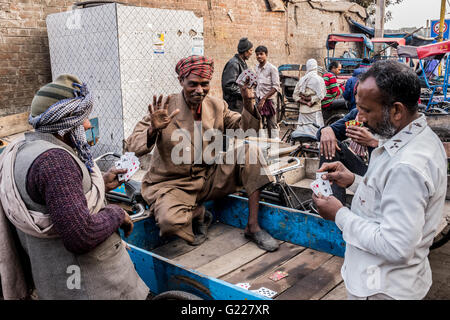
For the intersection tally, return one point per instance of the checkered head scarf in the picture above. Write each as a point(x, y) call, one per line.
point(199, 65)
point(67, 116)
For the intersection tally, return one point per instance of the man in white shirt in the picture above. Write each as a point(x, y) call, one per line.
point(268, 84)
point(398, 203)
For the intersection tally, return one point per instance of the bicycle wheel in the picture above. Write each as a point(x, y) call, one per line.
point(281, 107)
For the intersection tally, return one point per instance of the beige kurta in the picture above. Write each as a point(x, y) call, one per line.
point(174, 190)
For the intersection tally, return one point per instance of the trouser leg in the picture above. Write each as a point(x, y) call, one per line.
point(272, 124)
point(174, 217)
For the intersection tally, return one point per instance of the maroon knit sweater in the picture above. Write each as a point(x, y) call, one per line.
point(55, 180)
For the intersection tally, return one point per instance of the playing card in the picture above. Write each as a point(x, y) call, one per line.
point(325, 187)
point(130, 162)
point(244, 285)
point(315, 187)
point(247, 74)
point(320, 174)
point(266, 292)
point(321, 186)
point(278, 275)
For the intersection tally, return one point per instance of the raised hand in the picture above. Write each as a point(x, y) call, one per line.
point(159, 114)
point(246, 90)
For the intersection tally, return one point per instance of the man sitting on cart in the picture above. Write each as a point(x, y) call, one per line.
point(175, 190)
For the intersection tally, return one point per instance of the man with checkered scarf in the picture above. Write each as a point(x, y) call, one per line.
point(53, 203)
point(175, 190)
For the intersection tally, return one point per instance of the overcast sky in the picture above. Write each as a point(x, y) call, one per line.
point(414, 13)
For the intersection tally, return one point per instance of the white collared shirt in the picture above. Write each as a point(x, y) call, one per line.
point(267, 78)
point(394, 216)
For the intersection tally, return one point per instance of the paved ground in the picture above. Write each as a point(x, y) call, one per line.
point(440, 266)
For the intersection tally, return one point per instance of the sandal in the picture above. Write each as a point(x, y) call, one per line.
point(201, 229)
point(263, 239)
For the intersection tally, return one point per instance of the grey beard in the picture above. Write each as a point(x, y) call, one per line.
point(385, 129)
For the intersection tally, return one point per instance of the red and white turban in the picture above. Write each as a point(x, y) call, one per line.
point(199, 65)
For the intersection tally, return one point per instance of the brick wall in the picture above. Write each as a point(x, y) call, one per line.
point(25, 61)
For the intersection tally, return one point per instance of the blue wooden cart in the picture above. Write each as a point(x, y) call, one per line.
point(308, 243)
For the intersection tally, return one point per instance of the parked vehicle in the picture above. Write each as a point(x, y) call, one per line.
point(285, 99)
point(387, 42)
point(350, 60)
point(435, 93)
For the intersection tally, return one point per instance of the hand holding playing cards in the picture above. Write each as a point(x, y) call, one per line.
point(246, 90)
point(111, 178)
point(327, 206)
point(362, 136)
point(159, 114)
point(127, 225)
point(130, 163)
point(337, 173)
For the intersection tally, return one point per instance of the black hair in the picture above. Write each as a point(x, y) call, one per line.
point(397, 83)
point(365, 61)
point(262, 49)
point(333, 64)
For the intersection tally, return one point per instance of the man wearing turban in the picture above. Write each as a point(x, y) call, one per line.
point(53, 203)
point(174, 189)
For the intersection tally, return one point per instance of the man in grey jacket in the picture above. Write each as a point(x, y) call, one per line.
point(234, 67)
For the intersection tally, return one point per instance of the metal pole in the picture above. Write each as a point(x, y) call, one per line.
point(379, 22)
point(441, 29)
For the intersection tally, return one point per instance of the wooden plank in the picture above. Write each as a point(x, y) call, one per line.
point(232, 260)
point(14, 123)
point(337, 293)
point(295, 226)
point(298, 267)
point(179, 247)
point(161, 275)
point(317, 284)
point(264, 264)
point(209, 251)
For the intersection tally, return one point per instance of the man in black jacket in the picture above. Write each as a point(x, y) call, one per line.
point(234, 67)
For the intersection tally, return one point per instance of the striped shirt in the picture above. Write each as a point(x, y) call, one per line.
point(334, 89)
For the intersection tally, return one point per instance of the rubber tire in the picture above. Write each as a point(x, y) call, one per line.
point(176, 295)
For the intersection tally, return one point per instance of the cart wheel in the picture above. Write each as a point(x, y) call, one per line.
point(334, 118)
point(281, 108)
point(442, 238)
point(176, 295)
